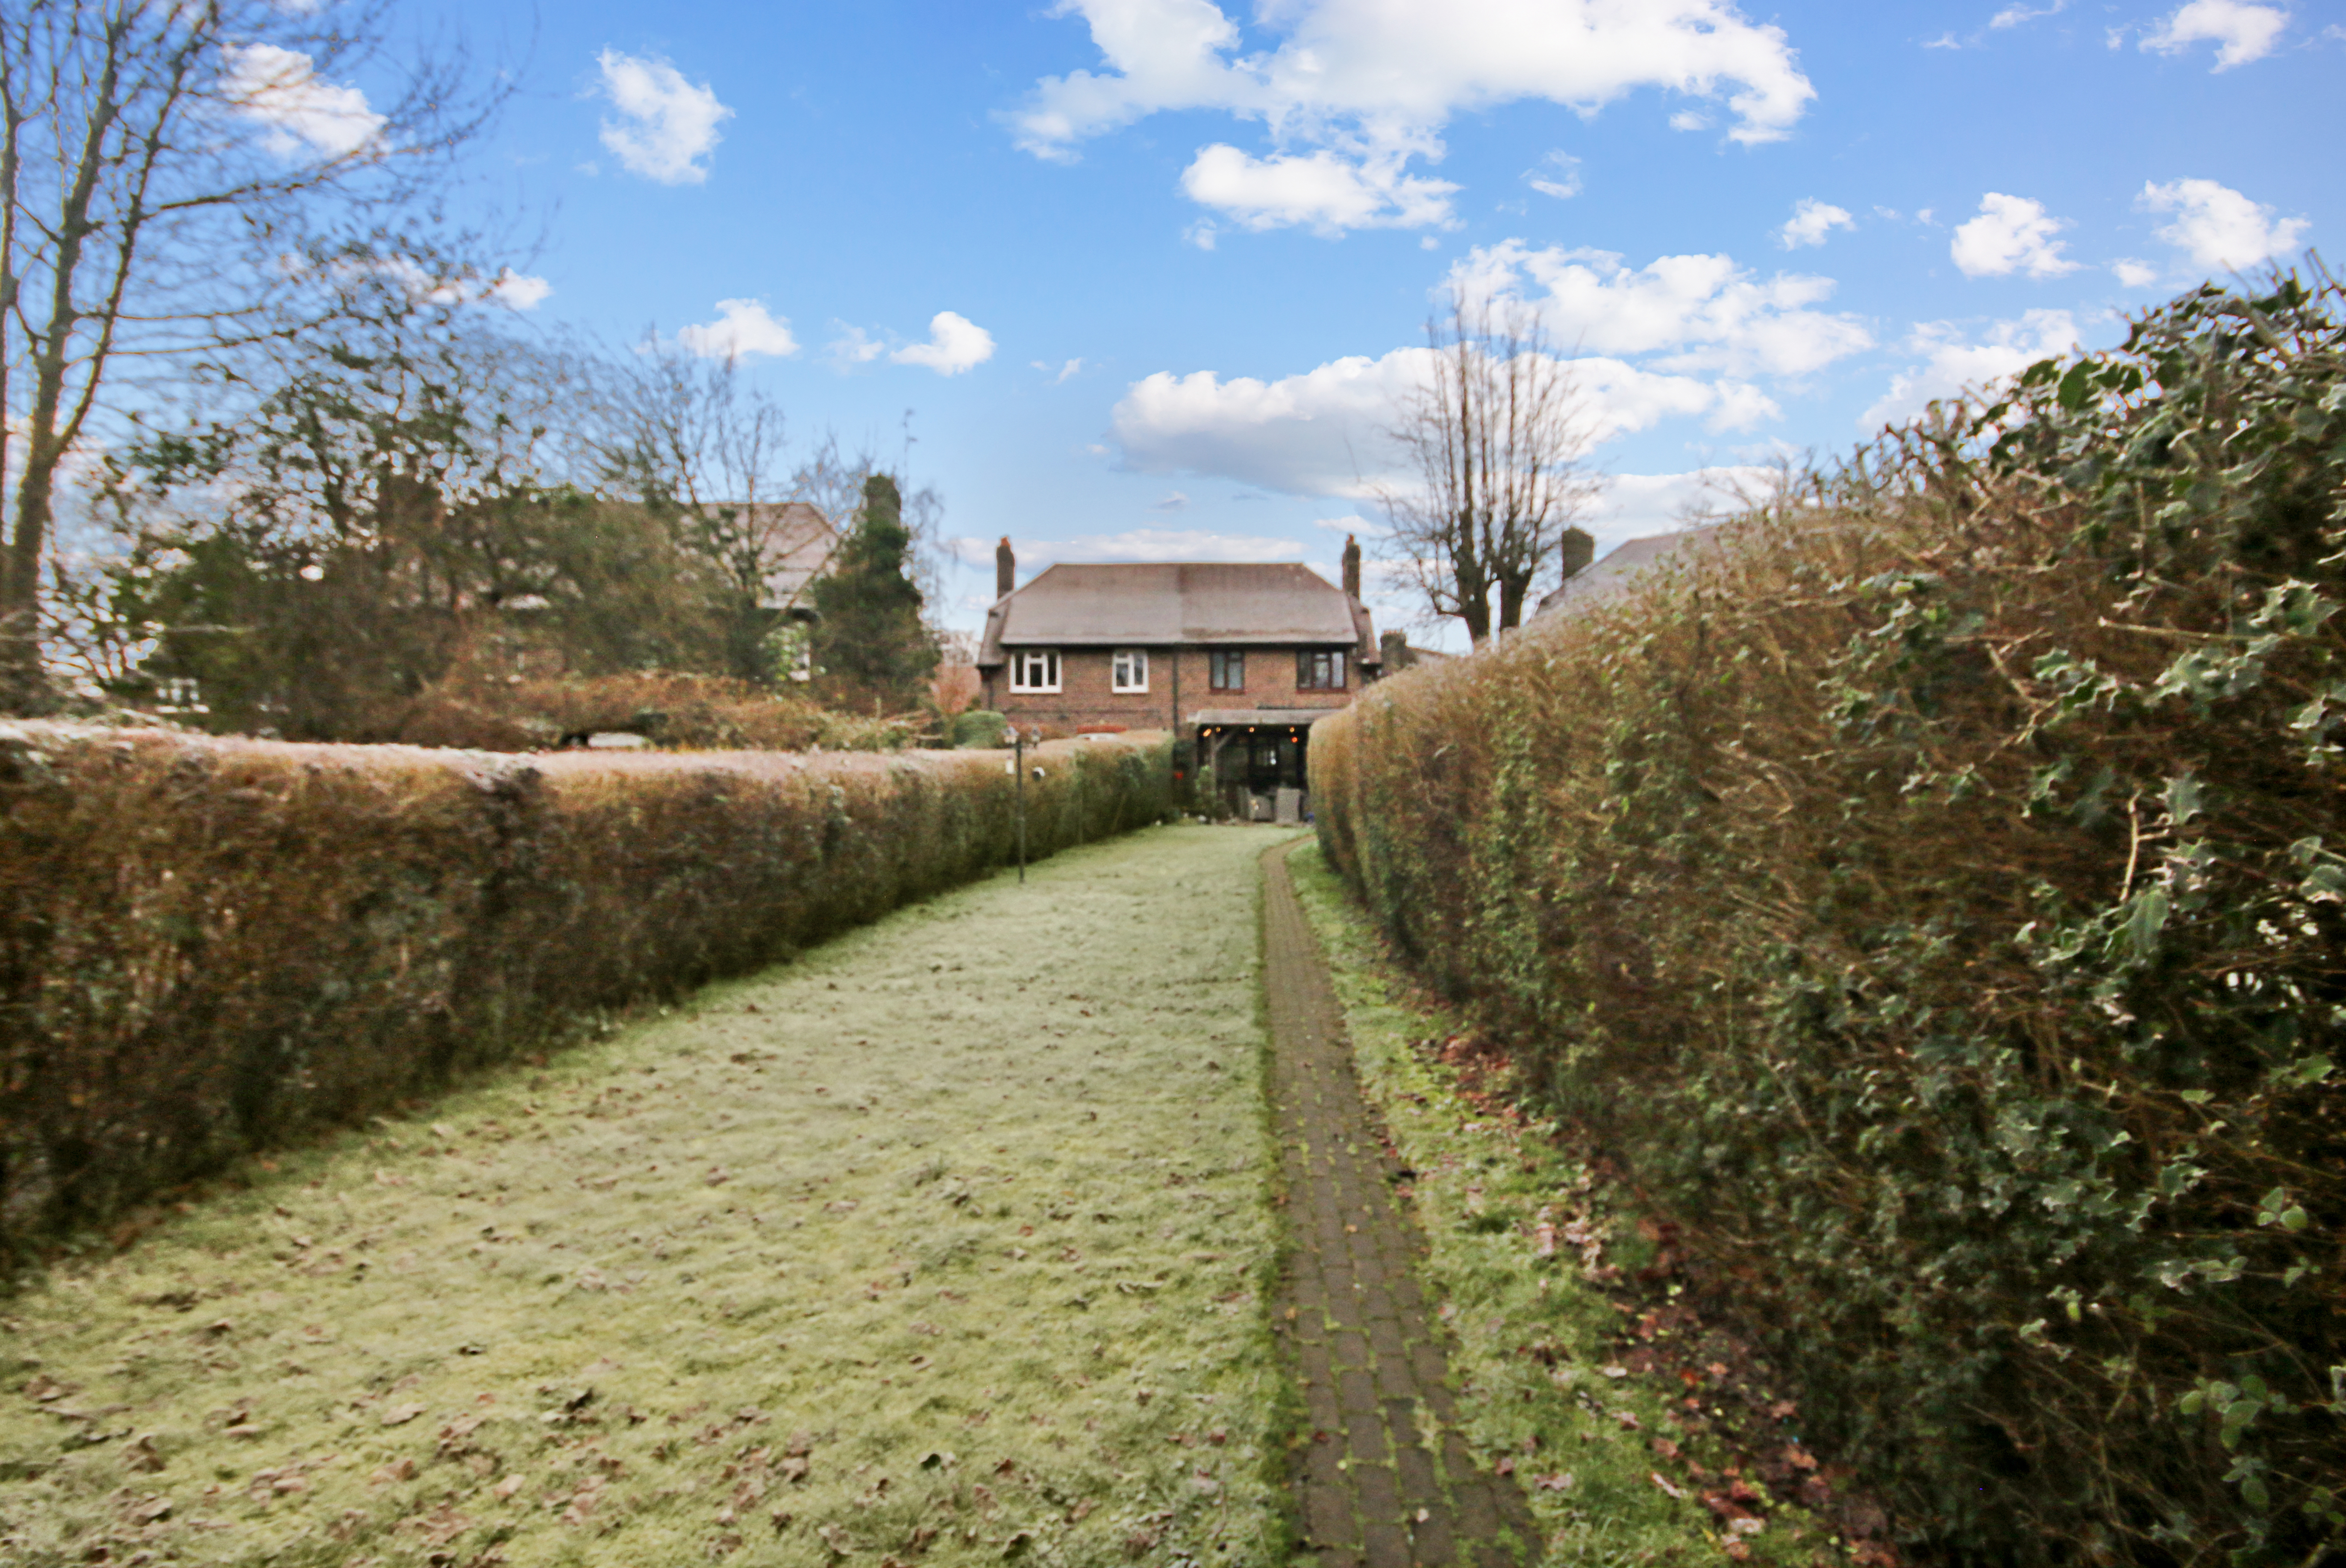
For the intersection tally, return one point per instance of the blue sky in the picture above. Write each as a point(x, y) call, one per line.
point(1146, 273)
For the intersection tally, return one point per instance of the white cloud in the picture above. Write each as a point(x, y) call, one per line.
point(1953, 365)
point(1322, 433)
point(1709, 313)
point(1635, 505)
point(854, 346)
point(1134, 545)
point(1062, 374)
point(1810, 221)
point(2011, 234)
point(2218, 226)
point(1367, 84)
point(956, 344)
point(513, 290)
point(1174, 501)
point(1322, 191)
point(278, 87)
point(1557, 176)
point(744, 330)
point(669, 125)
point(517, 292)
point(2013, 16)
point(2133, 274)
point(2241, 31)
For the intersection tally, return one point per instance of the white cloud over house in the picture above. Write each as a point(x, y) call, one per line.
point(1151, 545)
point(744, 329)
point(2011, 234)
point(280, 88)
point(665, 125)
point(2241, 30)
point(1952, 363)
point(1324, 431)
point(1369, 84)
point(2218, 228)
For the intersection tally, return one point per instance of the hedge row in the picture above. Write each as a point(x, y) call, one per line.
point(210, 946)
point(1932, 898)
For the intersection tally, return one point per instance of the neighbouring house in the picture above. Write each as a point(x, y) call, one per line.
point(1236, 658)
point(795, 546)
point(1610, 578)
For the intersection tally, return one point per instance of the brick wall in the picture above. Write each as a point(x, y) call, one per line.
point(1087, 694)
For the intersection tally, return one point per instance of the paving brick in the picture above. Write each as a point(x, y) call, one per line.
point(1380, 1492)
point(1356, 1248)
point(1387, 1546)
point(1413, 1469)
point(1431, 1544)
point(1356, 1392)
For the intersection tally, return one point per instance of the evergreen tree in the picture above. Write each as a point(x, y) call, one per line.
point(870, 643)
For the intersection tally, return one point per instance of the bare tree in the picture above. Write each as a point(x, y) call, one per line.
point(171, 172)
point(1497, 434)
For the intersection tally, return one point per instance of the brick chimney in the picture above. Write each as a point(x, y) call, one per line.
point(1351, 567)
point(1579, 547)
point(1005, 568)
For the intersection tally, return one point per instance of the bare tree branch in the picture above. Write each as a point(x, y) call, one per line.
point(167, 169)
point(1497, 432)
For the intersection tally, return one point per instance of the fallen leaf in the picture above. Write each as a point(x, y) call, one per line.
point(1799, 1457)
point(507, 1487)
point(400, 1415)
point(1663, 1481)
point(1563, 1480)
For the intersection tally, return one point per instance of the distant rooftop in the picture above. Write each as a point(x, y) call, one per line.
point(1613, 576)
point(1224, 603)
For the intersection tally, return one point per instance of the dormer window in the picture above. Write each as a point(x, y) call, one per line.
point(1035, 669)
point(1130, 671)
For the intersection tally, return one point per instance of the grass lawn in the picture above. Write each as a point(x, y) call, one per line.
point(1557, 1382)
point(945, 1242)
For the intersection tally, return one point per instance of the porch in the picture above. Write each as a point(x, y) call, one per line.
point(1257, 758)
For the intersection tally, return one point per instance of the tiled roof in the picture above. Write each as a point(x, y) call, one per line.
point(1236, 604)
point(1610, 578)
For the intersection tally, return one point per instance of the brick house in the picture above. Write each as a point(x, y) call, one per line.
point(1236, 658)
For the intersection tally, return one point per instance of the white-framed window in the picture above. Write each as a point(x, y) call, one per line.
point(1035, 669)
point(1130, 670)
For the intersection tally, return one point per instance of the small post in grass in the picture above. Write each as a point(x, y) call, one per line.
point(1018, 762)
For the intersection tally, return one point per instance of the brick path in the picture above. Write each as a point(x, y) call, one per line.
point(1386, 1481)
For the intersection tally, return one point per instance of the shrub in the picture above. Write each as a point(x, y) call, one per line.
point(674, 710)
point(208, 946)
point(981, 728)
point(1933, 899)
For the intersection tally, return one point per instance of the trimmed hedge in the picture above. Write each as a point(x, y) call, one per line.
point(1934, 900)
point(210, 946)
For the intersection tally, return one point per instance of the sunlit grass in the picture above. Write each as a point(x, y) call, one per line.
point(945, 1241)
